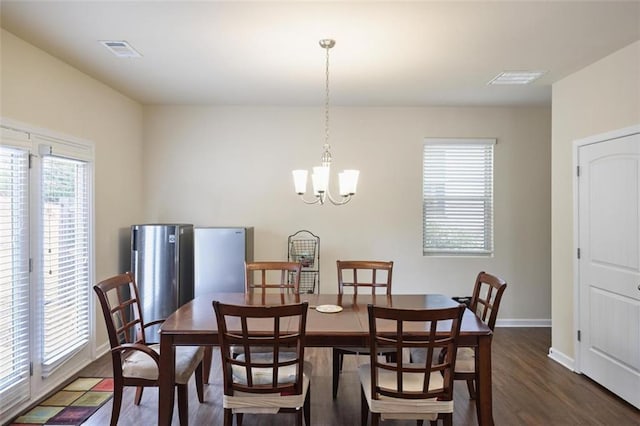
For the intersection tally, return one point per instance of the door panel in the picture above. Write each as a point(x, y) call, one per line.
point(609, 308)
point(613, 180)
point(609, 268)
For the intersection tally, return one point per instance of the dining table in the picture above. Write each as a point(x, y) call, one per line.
point(194, 324)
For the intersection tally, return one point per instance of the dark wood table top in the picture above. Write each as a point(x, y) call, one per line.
point(196, 319)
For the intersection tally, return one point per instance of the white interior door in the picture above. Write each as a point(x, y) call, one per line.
point(609, 265)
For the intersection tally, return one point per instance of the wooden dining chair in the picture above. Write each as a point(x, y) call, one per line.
point(136, 363)
point(410, 390)
point(485, 303)
point(266, 276)
point(264, 382)
point(366, 276)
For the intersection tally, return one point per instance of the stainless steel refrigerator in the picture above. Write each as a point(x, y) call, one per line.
point(162, 263)
point(219, 256)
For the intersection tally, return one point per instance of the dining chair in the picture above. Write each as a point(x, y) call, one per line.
point(263, 276)
point(485, 303)
point(359, 274)
point(264, 382)
point(410, 390)
point(136, 363)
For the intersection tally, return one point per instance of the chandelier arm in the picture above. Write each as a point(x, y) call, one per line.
point(317, 200)
point(345, 199)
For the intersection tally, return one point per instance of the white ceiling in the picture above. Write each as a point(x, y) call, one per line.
point(387, 53)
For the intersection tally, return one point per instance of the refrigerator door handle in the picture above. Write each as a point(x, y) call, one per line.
point(134, 240)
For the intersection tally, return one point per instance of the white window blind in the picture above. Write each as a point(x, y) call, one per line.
point(14, 275)
point(458, 196)
point(65, 258)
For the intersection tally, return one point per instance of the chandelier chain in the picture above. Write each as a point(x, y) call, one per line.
point(326, 101)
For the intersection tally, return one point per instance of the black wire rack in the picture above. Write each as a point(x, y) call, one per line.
point(304, 247)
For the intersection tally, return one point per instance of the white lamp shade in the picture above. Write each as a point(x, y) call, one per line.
point(320, 179)
point(348, 181)
point(300, 181)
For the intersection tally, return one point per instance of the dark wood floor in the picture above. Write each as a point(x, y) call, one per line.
point(528, 389)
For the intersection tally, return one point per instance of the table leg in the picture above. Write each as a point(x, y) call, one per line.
point(206, 364)
point(484, 398)
point(166, 380)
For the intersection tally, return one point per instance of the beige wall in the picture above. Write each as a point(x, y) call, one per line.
point(231, 166)
point(41, 91)
point(602, 97)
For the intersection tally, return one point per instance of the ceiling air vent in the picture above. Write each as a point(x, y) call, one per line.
point(120, 48)
point(516, 77)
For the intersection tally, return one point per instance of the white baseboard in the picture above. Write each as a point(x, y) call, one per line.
point(562, 359)
point(102, 349)
point(523, 323)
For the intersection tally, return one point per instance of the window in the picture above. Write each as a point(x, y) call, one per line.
point(457, 197)
point(65, 265)
point(14, 273)
point(45, 260)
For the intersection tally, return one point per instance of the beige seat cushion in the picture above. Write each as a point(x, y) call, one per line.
point(142, 366)
point(399, 408)
point(264, 376)
point(465, 359)
point(246, 402)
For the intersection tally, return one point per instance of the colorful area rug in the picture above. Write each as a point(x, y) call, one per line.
point(71, 406)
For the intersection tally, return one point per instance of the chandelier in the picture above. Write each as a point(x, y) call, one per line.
point(348, 179)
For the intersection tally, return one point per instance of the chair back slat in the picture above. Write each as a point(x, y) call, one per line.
point(364, 273)
point(261, 276)
point(427, 329)
point(270, 327)
point(487, 294)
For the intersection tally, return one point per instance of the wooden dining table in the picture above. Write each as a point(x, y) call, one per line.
point(194, 324)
